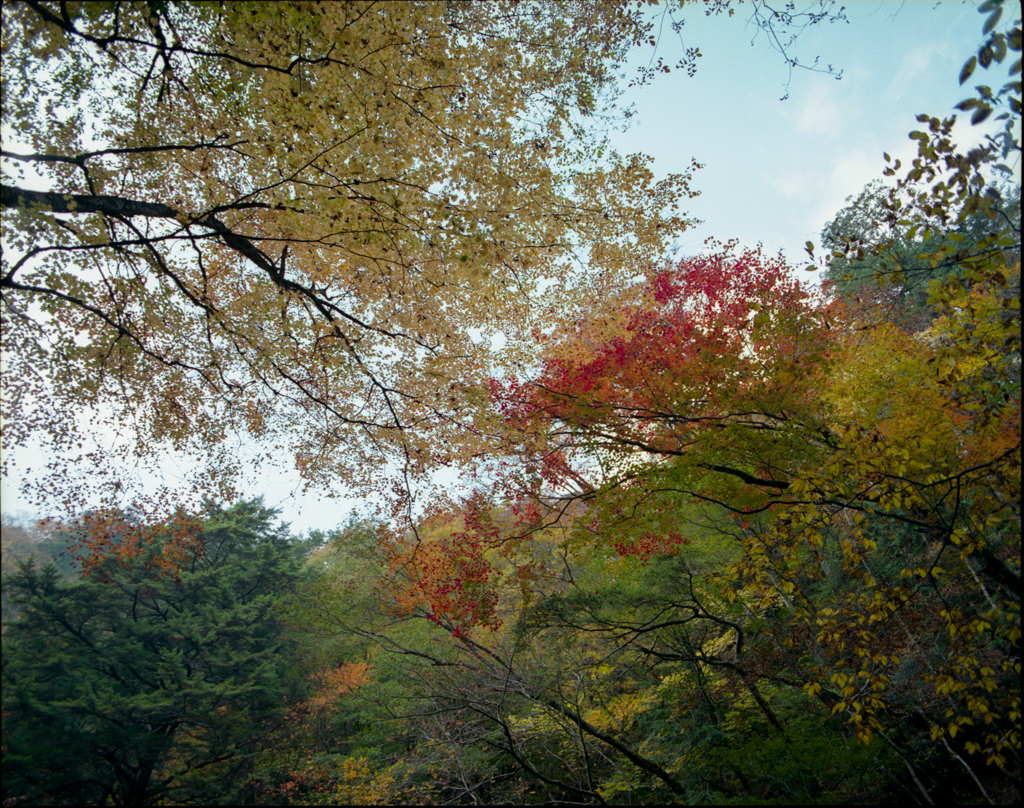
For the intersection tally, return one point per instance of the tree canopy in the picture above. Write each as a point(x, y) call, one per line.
point(721, 535)
point(145, 679)
point(870, 244)
point(287, 218)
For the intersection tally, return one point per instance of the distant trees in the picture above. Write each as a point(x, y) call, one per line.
point(883, 264)
point(146, 679)
point(22, 538)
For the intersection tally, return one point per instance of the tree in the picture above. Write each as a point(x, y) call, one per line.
point(612, 675)
point(147, 678)
point(289, 216)
point(868, 246)
point(773, 531)
point(719, 490)
point(959, 210)
point(289, 222)
point(462, 580)
point(976, 364)
point(19, 540)
point(874, 501)
point(42, 540)
point(711, 365)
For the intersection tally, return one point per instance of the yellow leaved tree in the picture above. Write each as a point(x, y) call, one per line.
point(286, 222)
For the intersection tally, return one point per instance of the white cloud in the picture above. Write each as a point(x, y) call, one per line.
point(820, 113)
point(791, 184)
point(847, 177)
point(912, 68)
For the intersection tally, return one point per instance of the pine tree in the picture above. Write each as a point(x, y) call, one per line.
point(147, 678)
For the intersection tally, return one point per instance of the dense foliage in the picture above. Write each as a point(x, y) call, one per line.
point(287, 220)
point(148, 677)
point(872, 243)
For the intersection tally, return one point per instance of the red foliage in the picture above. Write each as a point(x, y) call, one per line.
point(442, 570)
point(158, 549)
point(707, 359)
point(715, 343)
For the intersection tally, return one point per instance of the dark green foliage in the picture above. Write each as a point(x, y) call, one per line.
point(132, 685)
point(885, 265)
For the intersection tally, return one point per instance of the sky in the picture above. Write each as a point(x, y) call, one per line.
point(776, 171)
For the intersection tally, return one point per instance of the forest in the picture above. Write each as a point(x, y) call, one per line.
point(724, 528)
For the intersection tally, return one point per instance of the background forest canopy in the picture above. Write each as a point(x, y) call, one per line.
point(722, 535)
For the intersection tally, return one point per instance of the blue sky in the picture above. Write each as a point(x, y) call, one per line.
point(775, 171)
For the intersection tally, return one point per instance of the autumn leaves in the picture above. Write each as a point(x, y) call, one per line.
point(858, 488)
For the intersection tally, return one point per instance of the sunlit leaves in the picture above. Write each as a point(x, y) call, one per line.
point(865, 492)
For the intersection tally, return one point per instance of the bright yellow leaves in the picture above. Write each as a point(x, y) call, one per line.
point(930, 441)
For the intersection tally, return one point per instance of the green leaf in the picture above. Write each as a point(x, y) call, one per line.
point(981, 114)
point(967, 70)
point(985, 56)
point(992, 21)
point(988, 5)
point(999, 46)
point(967, 103)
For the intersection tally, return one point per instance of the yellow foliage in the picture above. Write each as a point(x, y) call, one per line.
point(334, 683)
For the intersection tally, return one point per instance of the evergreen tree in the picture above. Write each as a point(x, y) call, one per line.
point(146, 679)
